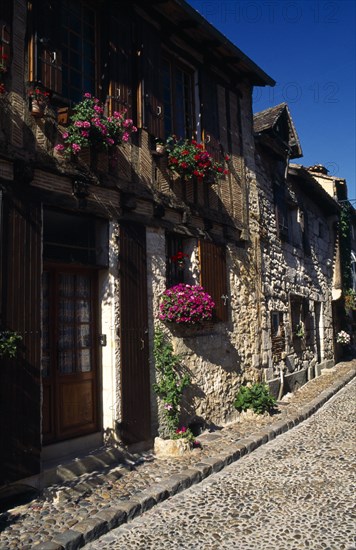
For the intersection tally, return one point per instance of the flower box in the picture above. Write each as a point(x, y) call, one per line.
point(171, 447)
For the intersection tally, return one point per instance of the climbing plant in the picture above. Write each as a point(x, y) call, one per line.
point(171, 382)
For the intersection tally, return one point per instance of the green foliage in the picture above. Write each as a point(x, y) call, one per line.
point(184, 433)
point(171, 382)
point(350, 300)
point(345, 246)
point(299, 331)
point(256, 397)
point(8, 343)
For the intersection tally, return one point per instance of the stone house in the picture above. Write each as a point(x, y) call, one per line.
point(86, 243)
point(344, 302)
point(300, 266)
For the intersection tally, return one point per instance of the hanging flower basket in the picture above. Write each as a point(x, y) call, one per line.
point(186, 305)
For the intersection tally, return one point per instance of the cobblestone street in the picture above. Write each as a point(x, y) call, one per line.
point(295, 492)
point(283, 482)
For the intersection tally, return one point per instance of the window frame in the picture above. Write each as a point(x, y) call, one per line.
point(189, 117)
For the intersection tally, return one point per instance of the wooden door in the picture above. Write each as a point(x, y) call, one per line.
point(20, 298)
point(135, 380)
point(69, 352)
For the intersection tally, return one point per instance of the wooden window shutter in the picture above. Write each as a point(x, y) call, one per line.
point(213, 276)
point(151, 80)
point(121, 52)
point(210, 114)
point(47, 55)
point(20, 396)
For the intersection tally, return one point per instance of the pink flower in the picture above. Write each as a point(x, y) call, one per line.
point(125, 136)
point(87, 95)
point(98, 109)
point(86, 124)
point(65, 135)
point(84, 133)
point(59, 147)
point(76, 148)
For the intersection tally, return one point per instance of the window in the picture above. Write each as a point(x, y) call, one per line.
point(277, 335)
point(74, 239)
point(353, 270)
point(302, 320)
point(176, 270)
point(212, 264)
point(78, 49)
point(281, 211)
point(63, 54)
point(177, 100)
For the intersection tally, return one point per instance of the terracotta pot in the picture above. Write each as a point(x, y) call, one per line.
point(37, 108)
point(160, 148)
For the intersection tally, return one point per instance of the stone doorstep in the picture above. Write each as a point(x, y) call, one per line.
point(112, 517)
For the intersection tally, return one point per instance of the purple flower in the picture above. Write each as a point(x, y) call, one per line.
point(186, 304)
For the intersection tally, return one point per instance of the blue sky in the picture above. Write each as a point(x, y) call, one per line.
point(308, 47)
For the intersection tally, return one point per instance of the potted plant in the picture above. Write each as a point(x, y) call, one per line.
point(38, 101)
point(9, 342)
point(170, 386)
point(186, 305)
point(89, 127)
point(179, 260)
point(299, 331)
point(160, 147)
point(189, 159)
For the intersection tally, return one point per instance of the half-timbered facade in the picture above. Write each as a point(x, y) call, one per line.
point(86, 242)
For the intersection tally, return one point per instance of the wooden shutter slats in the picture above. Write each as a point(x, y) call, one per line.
point(213, 276)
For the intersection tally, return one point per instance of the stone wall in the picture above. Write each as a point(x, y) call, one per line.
point(289, 272)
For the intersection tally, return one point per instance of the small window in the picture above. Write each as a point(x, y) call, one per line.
point(74, 239)
point(277, 335)
point(177, 261)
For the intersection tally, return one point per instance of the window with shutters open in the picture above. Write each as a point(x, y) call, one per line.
point(176, 271)
point(213, 277)
point(63, 47)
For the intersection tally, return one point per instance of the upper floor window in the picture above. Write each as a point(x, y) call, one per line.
point(78, 49)
point(63, 47)
point(177, 100)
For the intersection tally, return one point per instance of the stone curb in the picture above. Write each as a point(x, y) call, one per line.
point(114, 516)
